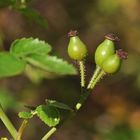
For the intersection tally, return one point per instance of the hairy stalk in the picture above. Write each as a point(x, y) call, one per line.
point(95, 74)
point(98, 78)
point(98, 74)
point(82, 73)
point(21, 129)
point(10, 127)
point(48, 134)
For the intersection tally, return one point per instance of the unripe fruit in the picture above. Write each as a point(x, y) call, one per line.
point(76, 48)
point(111, 64)
point(103, 51)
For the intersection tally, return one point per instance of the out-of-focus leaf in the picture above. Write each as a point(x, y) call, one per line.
point(51, 64)
point(25, 115)
point(48, 114)
point(121, 133)
point(136, 134)
point(58, 104)
point(34, 16)
point(10, 65)
point(26, 46)
point(34, 74)
point(8, 101)
point(4, 3)
point(3, 138)
point(104, 6)
point(1, 41)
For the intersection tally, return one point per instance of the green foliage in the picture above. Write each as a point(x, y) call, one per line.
point(21, 7)
point(34, 52)
point(8, 101)
point(26, 46)
point(25, 115)
point(48, 114)
point(10, 65)
point(4, 3)
point(120, 133)
point(51, 64)
point(4, 138)
point(36, 75)
point(33, 16)
point(58, 104)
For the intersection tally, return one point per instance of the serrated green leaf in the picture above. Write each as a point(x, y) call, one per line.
point(10, 65)
point(26, 46)
point(25, 115)
point(51, 64)
point(48, 114)
point(34, 16)
point(58, 104)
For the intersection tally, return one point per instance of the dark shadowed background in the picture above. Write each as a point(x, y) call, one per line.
point(112, 112)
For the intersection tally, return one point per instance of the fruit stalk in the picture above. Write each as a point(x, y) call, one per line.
point(82, 73)
point(97, 79)
point(95, 74)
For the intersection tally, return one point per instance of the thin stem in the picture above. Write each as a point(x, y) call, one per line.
point(95, 74)
point(21, 129)
point(48, 135)
point(98, 78)
point(82, 73)
point(98, 74)
point(83, 97)
point(8, 123)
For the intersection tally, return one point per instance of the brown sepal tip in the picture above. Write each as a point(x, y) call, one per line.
point(112, 37)
point(72, 33)
point(122, 54)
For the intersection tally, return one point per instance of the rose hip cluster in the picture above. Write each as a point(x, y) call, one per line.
point(106, 56)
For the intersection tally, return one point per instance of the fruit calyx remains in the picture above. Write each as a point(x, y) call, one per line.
point(112, 37)
point(72, 33)
point(122, 54)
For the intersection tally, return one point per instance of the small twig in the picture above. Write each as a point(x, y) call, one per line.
point(84, 95)
point(21, 129)
point(10, 127)
point(48, 134)
point(98, 74)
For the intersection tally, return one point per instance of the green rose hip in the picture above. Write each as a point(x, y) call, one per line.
point(105, 49)
point(76, 48)
point(112, 63)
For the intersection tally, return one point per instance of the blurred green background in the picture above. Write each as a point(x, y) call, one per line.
point(112, 112)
